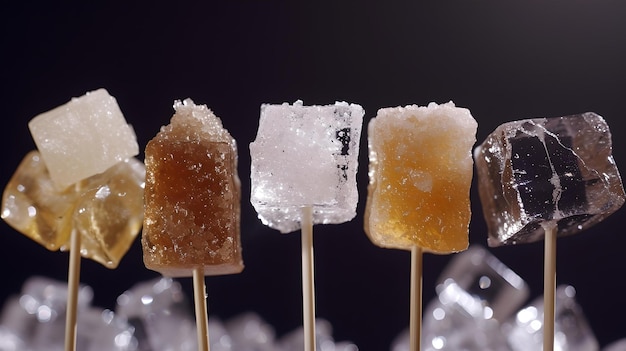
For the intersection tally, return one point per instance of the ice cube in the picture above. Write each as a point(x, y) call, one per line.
point(547, 170)
point(82, 138)
point(305, 156)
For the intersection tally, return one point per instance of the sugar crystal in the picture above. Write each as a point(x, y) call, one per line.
point(420, 175)
point(192, 201)
point(542, 171)
point(84, 137)
point(106, 209)
point(305, 156)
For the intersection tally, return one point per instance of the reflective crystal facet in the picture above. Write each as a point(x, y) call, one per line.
point(160, 314)
point(37, 316)
point(571, 330)
point(109, 212)
point(33, 206)
point(306, 156)
point(106, 209)
point(547, 170)
point(193, 194)
point(484, 277)
point(83, 137)
point(456, 320)
point(249, 332)
point(294, 340)
point(420, 175)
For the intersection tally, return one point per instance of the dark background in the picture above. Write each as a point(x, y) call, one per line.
point(503, 60)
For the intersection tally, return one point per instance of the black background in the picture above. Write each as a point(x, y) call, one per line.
point(503, 60)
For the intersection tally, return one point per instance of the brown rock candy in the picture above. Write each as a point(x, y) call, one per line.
point(192, 196)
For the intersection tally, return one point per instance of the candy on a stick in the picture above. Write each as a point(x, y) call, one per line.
point(547, 177)
point(192, 202)
point(78, 140)
point(105, 209)
point(420, 176)
point(556, 171)
point(192, 196)
point(303, 172)
point(83, 137)
point(305, 156)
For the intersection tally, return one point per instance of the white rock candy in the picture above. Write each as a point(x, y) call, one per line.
point(83, 137)
point(306, 156)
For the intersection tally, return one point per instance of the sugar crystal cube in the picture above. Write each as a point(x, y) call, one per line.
point(420, 175)
point(305, 156)
point(192, 196)
point(485, 278)
point(571, 328)
point(84, 137)
point(542, 171)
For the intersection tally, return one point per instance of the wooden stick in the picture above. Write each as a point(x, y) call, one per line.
point(415, 322)
point(73, 280)
point(549, 287)
point(308, 284)
point(202, 318)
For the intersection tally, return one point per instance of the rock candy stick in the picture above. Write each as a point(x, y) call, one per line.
point(77, 141)
point(192, 203)
point(418, 195)
point(291, 193)
point(543, 178)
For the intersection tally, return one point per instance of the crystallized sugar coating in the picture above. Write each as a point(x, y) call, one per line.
point(547, 171)
point(193, 194)
point(306, 156)
point(420, 175)
point(82, 138)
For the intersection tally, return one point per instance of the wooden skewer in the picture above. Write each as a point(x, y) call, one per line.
point(549, 287)
point(202, 318)
point(308, 281)
point(73, 280)
point(415, 322)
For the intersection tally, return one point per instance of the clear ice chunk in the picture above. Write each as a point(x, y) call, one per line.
point(305, 156)
point(571, 329)
point(544, 171)
point(483, 276)
point(83, 137)
point(106, 209)
point(159, 312)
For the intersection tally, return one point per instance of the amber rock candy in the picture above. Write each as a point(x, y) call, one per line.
point(420, 176)
point(106, 209)
point(192, 196)
point(547, 172)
